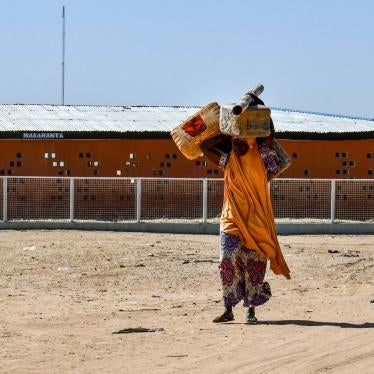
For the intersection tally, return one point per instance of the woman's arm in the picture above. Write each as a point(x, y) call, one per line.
point(217, 149)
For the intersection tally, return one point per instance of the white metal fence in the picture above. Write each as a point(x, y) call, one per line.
point(158, 199)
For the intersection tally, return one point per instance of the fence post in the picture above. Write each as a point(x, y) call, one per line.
point(333, 195)
point(5, 199)
point(205, 200)
point(138, 199)
point(71, 199)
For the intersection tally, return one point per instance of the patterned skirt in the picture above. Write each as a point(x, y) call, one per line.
point(242, 273)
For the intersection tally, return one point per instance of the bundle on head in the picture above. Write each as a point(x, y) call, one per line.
point(195, 129)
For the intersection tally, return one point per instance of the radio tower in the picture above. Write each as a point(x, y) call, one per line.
point(63, 57)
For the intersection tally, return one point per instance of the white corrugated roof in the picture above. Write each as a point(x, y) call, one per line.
point(56, 118)
point(287, 120)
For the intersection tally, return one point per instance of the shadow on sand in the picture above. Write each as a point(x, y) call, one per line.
point(308, 323)
point(301, 322)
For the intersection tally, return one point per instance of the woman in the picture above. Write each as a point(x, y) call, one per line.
point(247, 230)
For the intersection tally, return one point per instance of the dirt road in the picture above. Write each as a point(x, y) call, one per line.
point(63, 294)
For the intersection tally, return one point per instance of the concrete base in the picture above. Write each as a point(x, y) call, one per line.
point(325, 228)
point(190, 228)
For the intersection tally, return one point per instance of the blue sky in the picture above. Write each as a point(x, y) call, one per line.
point(310, 55)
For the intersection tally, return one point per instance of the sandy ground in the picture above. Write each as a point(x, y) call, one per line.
point(64, 293)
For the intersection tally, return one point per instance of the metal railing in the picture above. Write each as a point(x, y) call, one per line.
point(176, 199)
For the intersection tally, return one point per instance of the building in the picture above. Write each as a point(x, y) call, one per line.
point(132, 141)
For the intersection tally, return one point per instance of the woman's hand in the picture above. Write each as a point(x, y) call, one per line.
point(213, 150)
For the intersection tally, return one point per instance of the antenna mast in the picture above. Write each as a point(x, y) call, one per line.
point(63, 56)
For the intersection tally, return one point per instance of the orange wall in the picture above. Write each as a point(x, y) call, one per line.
point(318, 158)
point(160, 157)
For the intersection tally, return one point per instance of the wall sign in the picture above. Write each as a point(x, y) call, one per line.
point(42, 135)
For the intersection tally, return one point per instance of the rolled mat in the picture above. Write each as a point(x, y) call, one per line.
point(195, 129)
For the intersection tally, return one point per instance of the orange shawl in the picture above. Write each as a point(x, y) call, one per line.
point(247, 211)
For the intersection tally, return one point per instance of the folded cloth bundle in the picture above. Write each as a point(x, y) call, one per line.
point(275, 158)
point(253, 121)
